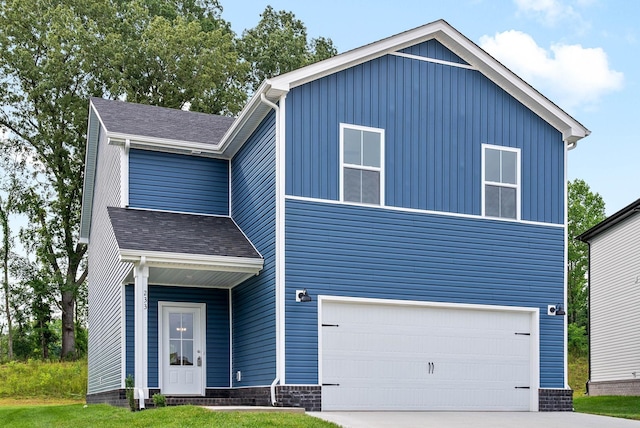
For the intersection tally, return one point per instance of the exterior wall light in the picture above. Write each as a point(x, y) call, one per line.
point(302, 296)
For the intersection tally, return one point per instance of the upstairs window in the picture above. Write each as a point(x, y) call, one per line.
point(361, 159)
point(501, 182)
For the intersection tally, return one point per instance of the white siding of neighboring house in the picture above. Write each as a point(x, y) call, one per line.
point(615, 302)
point(106, 273)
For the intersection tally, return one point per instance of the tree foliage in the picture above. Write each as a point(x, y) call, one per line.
point(585, 210)
point(279, 44)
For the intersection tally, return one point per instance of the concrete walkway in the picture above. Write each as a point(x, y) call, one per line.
point(472, 420)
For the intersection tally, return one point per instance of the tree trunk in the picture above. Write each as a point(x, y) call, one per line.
point(4, 217)
point(68, 326)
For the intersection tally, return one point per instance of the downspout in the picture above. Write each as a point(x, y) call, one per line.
point(571, 146)
point(275, 107)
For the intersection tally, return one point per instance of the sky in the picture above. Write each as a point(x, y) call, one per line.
point(584, 55)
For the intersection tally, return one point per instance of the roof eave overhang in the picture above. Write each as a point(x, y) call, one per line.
point(248, 265)
point(164, 144)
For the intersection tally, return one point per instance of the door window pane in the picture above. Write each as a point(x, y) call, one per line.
point(174, 325)
point(175, 352)
point(187, 326)
point(187, 353)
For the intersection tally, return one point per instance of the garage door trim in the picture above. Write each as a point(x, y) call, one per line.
point(534, 333)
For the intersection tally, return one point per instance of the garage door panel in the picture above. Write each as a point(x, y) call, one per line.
point(396, 357)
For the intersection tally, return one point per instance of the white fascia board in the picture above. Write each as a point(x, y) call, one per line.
point(196, 261)
point(164, 144)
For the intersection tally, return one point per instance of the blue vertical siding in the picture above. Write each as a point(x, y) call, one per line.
point(217, 337)
point(172, 182)
point(413, 256)
point(130, 339)
point(436, 118)
point(253, 301)
point(434, 49)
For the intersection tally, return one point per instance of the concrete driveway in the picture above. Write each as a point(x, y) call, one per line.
point(472, 420)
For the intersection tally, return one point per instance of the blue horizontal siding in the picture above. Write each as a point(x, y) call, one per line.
point(342, 250)
point(172, 182)
point(436, 118)
point(253, 301)
point(217, 333)
point(434, 49)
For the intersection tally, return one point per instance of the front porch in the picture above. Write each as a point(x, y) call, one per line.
point(177, 301)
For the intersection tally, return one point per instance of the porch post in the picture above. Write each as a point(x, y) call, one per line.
point(141, 302)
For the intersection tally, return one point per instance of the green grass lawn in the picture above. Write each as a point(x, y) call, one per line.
point(102, 415)
point(617, 406)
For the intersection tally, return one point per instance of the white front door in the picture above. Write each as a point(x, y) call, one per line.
point(182, 348)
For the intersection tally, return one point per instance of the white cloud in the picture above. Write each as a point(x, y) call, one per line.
point(549, 12)
point(571, 75)
point(553, 12)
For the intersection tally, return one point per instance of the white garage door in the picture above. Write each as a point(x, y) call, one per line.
point(400, 357)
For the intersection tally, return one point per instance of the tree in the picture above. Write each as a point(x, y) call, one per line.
point(172, 54)
point(279, 44)
point(54, 54)
point(585, 210)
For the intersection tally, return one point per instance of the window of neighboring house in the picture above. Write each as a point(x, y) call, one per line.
point(501, 182)
point(361, 158)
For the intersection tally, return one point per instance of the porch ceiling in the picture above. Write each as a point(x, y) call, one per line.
point(192, 277)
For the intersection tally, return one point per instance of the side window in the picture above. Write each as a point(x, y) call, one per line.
point(361, 164)
point(500, 182)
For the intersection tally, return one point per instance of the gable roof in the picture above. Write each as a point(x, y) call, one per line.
point(141, 122)
point(618, 217)
point(168, 232)
point(440, 30)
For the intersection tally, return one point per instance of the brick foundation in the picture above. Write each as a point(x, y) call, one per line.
point(614, 387)
point(555, 400)
point(286, 396)
point(309, 397)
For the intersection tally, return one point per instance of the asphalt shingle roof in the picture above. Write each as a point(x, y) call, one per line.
point(160, 122)
point(179, 233)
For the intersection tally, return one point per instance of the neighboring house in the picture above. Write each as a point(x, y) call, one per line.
point(383, 230)
point(614, 294)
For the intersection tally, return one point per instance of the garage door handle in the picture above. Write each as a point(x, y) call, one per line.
point(330, 384)
point(523, 387)
point(431, 367)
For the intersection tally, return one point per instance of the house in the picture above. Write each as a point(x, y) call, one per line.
point(614, 291)
point(385, 229)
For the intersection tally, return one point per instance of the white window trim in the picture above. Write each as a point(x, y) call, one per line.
point(517, 186)
point(380, 169)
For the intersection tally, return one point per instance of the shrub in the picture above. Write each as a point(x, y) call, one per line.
point(159, 400)
point(129, 384)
